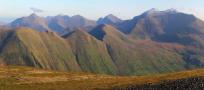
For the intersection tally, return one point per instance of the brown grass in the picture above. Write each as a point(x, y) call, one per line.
point(23, 78)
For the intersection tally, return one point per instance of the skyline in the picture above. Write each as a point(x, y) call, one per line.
point(93, 9)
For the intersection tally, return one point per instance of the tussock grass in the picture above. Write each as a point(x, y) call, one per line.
point(24, 78)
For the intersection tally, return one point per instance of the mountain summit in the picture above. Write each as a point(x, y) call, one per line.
point(109, 19)
point(33, 21)
point(33, 15)
point(60, 24)
point(156, 11)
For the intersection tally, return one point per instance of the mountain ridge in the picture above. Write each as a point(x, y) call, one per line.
point(157, 42)
point(109, 19)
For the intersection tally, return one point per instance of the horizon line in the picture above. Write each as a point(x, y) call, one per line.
point(45, 16)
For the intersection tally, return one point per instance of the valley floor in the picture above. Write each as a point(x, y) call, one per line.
point(24, 78)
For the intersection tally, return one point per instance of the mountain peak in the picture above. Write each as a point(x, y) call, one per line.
point(33, 15)
point(32, 21)
point(154, 11)
point(113, 17)
point(77, 16)
point(60, 16)
point(109, 19)
point(110, 16)
point(172, 10)
point(63, 17)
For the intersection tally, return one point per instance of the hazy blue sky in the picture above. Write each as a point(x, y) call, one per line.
point(93, 9)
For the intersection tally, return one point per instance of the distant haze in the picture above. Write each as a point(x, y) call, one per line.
point(93, 9)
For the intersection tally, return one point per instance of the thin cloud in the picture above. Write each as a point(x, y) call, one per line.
point(36, 10)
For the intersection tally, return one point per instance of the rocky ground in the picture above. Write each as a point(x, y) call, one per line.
point(196, 83)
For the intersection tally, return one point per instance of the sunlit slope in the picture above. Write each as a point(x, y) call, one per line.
point(91, 53)
point(23, 78)
point(104, 51)
point(43, 50)
point(139, 57)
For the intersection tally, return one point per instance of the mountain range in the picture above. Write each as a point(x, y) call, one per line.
point(59, 24)
point(153, 42)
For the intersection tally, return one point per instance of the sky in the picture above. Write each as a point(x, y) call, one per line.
point(93, 9)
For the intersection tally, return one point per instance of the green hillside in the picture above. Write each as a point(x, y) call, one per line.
point(104, 50)
point(44, 50)
point(139, 57)
point(91, 53)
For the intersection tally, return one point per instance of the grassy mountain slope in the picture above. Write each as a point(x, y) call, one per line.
point(91, 53)
point(23, 78)
point(173, 27)
point(108, 52)
point(76, 52)
point(141, 56)
point(44, 50)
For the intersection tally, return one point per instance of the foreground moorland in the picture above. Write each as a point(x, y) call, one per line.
point(24, 78)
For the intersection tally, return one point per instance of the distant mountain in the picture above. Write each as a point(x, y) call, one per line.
point(159, 25)
point(68, 24)
point(33, 21)
point(169, 26)
point(109, 19)
point(79, 21)
point(60, 24)
point(165, 26)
